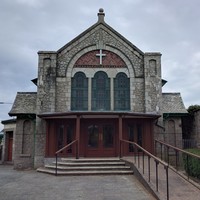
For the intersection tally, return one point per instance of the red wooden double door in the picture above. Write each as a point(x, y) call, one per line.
point(99, 138)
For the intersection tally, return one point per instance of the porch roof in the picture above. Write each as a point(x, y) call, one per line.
point(96, 114)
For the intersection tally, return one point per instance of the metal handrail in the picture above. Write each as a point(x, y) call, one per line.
point(157, 162)
point(63, 148)
point(177, 150)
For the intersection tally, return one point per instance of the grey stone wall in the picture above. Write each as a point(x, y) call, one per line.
point(46, 89)
point(46, 100)
point(40, 143)
point(173, 131)
point(55, 70)
point(24, 139)
point(153, 86)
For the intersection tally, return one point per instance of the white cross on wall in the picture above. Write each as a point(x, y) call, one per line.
point(101, 55)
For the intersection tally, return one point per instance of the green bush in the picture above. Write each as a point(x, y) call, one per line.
point(193, 166)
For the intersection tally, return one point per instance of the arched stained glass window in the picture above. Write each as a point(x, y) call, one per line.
point(121, 92)
point(79, 92)
point(101, 91)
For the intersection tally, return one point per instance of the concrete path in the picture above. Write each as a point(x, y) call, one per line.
point(179, 188)
point(31, 185)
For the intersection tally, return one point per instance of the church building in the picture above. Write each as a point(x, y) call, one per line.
point(94, 91)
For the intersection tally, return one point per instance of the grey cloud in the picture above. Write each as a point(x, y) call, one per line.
point(170, 27)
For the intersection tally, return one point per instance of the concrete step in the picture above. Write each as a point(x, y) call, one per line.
point(91, 163)
point(91, 166)
point(90, 160)
point(86, 172)
point(80, 168)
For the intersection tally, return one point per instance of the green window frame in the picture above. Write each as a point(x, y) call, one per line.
point(101, 91)
point(121, 92)
point(79, 92)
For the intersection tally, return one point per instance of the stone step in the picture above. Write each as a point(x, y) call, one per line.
point(90, 160)
point(86, 172)
point(88, 166)
point(92, 163)
point(80, 168)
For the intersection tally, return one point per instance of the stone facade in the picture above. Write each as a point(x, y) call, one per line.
point(24, 144)
point(56, 69)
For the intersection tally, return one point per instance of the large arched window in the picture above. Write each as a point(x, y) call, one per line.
point(79, 92)
point(100, 91)
point(121, 92)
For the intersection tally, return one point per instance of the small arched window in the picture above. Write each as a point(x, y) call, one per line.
point(79, 92)
point(101, 91)
point(121, 92)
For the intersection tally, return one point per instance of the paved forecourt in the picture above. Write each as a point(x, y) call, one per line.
point(31, 185)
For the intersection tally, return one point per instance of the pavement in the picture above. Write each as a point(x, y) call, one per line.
point(31, 185)
point(179, 188)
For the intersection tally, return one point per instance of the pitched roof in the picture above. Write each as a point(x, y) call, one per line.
point(25, 103)
point(172, 103)
point(100, 23)
point(9, 121)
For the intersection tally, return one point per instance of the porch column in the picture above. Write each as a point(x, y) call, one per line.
point(120, 136)
point(77, 135)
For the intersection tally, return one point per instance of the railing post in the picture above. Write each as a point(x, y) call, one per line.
point(168, 155)
point(161, 151)
point(156, 175)
point(149, 167)
point(138, 158)
point(167, 181)
point(77, 150)
point(143, 160)
point(188, 171)
point(120, 148)
point(155, 147)
point(135, 152)
point(120, 134)
point(56, 162)
point(77, 135)
point(176, 159)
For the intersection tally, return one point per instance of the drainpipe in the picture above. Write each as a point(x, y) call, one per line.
point(158, 125)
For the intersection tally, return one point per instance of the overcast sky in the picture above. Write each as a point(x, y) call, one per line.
point(171, 27)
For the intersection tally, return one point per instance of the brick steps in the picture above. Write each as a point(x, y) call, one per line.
point(87, 167)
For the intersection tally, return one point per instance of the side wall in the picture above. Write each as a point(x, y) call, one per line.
point(173, 131)
point(24, 144)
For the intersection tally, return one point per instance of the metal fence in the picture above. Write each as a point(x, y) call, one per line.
point(175, 157)
point(189, 143)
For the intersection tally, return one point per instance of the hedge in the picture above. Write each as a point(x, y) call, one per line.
point(193, 167)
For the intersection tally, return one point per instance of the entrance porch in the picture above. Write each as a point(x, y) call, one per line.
point(97, 134)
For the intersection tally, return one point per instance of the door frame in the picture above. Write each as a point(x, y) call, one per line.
point(100, 151)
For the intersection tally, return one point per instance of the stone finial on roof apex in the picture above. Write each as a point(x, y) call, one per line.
point(101, 15)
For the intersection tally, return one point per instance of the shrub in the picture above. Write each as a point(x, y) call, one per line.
point(193, 166)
